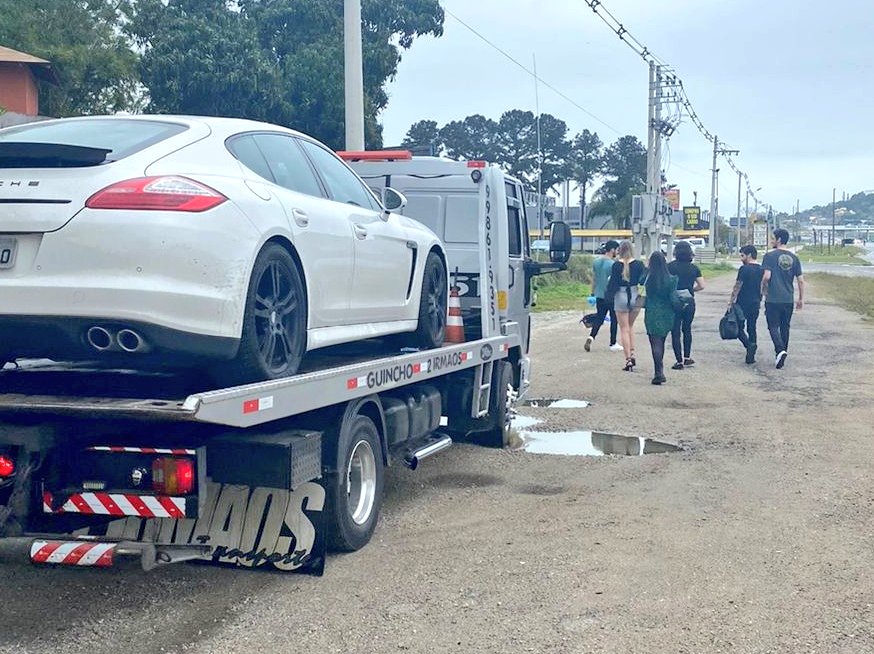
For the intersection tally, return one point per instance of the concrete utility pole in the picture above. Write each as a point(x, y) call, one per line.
point(354, 75)
point(832, 241)
point(739, 176)
point(714, 202)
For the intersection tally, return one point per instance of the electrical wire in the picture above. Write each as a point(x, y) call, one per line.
point(649, 57)
point(531, 72)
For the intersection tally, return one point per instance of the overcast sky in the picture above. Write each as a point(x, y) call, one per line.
point(789, 83)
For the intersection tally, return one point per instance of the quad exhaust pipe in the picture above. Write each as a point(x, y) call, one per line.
point(126, 340)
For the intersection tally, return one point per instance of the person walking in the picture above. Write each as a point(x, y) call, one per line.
point(747, 294)
point(626, 275)
point(601, 268)
point(781, 269)
point(688, 279)
point(659, 315)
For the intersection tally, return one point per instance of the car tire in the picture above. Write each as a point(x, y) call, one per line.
point(433, 305)
point(273, 338)
point(354, 491)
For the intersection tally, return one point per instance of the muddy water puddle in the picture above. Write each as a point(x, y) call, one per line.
point(551, 403)
point(582, 442)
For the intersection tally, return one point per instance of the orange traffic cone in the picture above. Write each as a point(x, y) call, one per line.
point(454, 322)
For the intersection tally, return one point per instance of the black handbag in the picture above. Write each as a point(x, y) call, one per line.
point(680, 299)
point(728, 325)
point(589, 320)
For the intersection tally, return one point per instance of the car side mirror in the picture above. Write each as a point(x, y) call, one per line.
point(560, 242)
point(393, 200)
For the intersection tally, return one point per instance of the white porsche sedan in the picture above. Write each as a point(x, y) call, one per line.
point(205, 242)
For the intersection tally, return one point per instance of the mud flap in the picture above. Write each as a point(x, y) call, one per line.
point(244, 526)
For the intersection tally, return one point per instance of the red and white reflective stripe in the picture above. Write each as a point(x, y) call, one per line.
point(356, 382)
point(72, 553)
point(142, 450)
point(466, 355)
point(144, 506)
point(258, 404)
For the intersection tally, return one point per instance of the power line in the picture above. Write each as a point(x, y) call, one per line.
point(532, 73)
point(650, 58)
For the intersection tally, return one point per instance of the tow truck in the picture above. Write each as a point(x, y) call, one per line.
point(99, 467)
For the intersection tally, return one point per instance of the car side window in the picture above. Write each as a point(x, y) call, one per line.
point(288, 164)
point(246, 151)
point(342, 183)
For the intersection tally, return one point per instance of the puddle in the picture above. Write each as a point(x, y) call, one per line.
point(587, 443)
point(549, 403)
point(523, 422)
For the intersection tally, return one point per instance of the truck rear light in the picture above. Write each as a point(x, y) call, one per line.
point(7, 466)
point(172, 476)
point(476, 164)
point(165, 193)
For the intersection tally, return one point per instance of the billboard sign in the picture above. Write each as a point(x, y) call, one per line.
point(760, 234)
point(673, 198)
point(692, 218)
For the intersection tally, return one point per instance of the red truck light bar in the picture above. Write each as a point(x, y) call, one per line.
point(376, 155)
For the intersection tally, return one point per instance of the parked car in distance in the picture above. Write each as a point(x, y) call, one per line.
point(227, 244)
point(540, 245)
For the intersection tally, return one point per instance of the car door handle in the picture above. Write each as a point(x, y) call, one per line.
point(300, 217)
point(360, 231)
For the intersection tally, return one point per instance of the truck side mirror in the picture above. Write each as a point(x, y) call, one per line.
point(393, 200)
point(560, 242)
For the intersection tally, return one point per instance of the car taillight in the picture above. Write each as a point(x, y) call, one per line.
point(172, 476)
point(7, 466)
point(167, 193)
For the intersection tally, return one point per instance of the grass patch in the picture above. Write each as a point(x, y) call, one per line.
point(853, 293)
point(569, 296)
point(847, 254)
point(711, 270)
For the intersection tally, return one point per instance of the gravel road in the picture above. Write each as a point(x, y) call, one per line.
point(757, 537)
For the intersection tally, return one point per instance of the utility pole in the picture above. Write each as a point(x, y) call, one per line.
point(747, 212)
point(539, 151)
point(653, 160)
point(739, 175)
point(714, 201)
point(832, 241)
point(354, 75)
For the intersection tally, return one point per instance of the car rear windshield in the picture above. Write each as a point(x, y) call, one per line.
point(106, 139)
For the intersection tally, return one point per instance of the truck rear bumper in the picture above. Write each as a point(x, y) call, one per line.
point(95, 553)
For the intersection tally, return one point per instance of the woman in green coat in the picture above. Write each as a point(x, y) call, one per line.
point(659, 316)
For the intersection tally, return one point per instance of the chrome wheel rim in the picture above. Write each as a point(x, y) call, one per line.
point(361, 482)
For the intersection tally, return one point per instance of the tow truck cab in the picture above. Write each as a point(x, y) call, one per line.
point(458, 200)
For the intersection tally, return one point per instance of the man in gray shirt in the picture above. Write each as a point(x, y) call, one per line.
point(781, 269)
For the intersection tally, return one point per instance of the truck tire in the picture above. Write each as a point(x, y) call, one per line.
point(354, 491)
point(499, 421)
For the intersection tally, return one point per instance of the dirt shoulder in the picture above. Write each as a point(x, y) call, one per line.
point(756, 538)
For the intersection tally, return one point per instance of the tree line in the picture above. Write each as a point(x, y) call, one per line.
point(280, 61)
point(512, 142)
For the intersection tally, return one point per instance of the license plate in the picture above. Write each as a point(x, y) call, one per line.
point(8, 248)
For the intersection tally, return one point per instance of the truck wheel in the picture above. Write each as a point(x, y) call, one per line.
point(500, 420)
point(273, 338)
point(354, 492)
point(433, 305)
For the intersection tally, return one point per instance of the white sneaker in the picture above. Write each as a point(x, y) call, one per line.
point(588, 346)
point(615, 347)
point(781, 359)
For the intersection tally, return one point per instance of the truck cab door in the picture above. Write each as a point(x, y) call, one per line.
point(519, 287)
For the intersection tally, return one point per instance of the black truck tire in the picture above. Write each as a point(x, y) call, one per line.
point(354, 491)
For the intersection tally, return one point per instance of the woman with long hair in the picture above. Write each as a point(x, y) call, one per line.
point(688, 278)
point(659, 318)
point(626, 275)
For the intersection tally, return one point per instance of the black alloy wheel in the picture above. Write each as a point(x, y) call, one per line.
point(273, 339)
point(433, 306)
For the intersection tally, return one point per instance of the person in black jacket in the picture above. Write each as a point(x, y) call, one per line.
point(626, 276)
point(689, 279)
